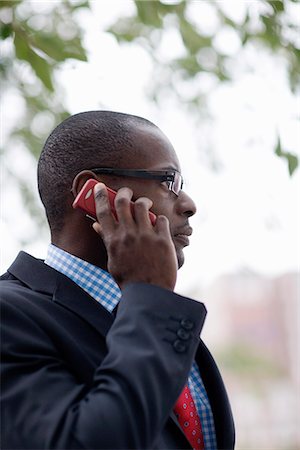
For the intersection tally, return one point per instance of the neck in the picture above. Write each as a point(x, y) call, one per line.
point(90, 247)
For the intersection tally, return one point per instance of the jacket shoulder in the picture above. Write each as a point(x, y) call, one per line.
point(6, 276)
point(10, 286)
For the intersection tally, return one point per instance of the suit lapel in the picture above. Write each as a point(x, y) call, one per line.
point(41, 278)
point(218, 399)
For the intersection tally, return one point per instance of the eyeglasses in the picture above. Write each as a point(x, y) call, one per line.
point(172, 177)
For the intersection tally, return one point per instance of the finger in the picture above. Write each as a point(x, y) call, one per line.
point(141, 211)
point(123, 207)
point(162, 226)
point(103, 208)
point(97, 227)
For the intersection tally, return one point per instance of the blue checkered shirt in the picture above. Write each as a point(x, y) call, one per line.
point(100, 285)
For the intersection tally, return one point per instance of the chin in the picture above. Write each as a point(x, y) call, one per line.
point(180, 258)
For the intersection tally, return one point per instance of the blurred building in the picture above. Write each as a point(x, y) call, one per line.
point(253, 329)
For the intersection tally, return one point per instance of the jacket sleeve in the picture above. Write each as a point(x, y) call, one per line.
point(151, 346)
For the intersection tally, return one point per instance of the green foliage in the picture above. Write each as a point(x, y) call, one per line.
point(273, 30)
point(39, 41)
point(43, 51)
point(292, 159)
point(40, 66)
point(41, 45)
point(9, 3)
point(192, 40)
point(149, 14)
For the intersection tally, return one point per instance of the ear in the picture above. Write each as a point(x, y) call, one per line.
point(80, 179)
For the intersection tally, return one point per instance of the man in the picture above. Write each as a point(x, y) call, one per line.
point(98, 351)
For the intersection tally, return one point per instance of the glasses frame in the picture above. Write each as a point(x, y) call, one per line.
point(161, 175)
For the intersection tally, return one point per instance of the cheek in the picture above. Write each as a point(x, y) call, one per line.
point(164, 208)
point(163, 203)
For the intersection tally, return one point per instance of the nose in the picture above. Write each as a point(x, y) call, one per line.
point(185, 205)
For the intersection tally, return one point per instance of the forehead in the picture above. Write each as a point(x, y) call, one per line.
point(151, 150)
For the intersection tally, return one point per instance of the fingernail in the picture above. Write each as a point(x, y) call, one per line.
point(98, 187)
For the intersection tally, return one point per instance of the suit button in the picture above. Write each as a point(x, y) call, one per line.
point(183, 334)
point(187, 324)
point(179, 346)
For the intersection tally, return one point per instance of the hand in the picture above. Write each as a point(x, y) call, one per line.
point(137, 251)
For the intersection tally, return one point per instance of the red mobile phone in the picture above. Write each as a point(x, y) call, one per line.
point(85, 201)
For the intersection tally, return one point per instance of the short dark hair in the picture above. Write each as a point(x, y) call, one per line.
point(82, 141)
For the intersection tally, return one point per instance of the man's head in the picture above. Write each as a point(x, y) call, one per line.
point(106, 139)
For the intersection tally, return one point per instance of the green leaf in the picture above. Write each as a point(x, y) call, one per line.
point(292, 162)
point(84, 4)
point(148, 13)
point(6, 31)
point(297, 53)
point(292, 159)
point(57, 48)
point(191, 38)
point(127, 29)
point(40, 66)
point(42, 70)
point(9, 3)
point(21, 46)
point(50, 44)
point(277, 5)
point(272, 34)
point(278, 149)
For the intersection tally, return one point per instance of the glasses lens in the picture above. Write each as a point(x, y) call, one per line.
point(177, 183)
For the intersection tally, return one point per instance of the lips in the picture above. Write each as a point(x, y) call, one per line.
point(182, 235)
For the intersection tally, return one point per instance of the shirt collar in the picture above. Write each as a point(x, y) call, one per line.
point(98, 283)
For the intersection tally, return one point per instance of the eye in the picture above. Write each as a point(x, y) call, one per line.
point(167, 184)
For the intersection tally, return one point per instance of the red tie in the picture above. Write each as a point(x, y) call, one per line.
point(189, 419)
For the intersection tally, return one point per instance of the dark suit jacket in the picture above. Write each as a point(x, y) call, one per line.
point(75, 377)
